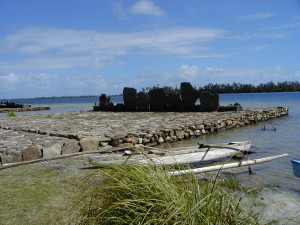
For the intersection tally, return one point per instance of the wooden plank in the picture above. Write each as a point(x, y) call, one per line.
point(227, 166)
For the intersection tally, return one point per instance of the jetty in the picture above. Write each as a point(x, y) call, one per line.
point(33, 137)
point(6, 107)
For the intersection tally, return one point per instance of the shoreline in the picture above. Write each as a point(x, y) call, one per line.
point(37, 136)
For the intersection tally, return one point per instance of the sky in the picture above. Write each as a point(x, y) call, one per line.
point(90, 47)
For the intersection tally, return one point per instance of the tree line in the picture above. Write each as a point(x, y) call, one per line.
point(286, 86)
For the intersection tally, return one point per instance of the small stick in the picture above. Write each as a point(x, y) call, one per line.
point(273, 127)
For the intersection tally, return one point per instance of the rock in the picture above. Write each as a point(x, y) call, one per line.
point(53, 149)
point(103, 144)
point(174, 103)
point(105, 103)
point(89, 143)
point(70, 146)
point(161, 140)
point(140, 140)
point(209, 102)
point(145, 141)
point(11, 156)
point(104, 100)
point(129, 97)
point(158, 100)
point(179, 134)
point(189, 96)
point(126, 145)
point(142, 102)
point(148, 135)
point(127, 140)
point(104, 139)
point(31, 152)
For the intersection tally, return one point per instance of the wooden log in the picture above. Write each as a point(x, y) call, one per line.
point(4, 166)
point(227, 166)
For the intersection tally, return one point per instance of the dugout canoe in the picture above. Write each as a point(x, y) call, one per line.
point(185, 156)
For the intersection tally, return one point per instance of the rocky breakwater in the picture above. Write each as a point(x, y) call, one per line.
point(5, 110)
point(31, 137)
point(12, 106)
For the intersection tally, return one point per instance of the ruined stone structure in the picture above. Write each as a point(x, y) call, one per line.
point(142, 102)
point(189, 96)
point(129, 96)
point(158, 101)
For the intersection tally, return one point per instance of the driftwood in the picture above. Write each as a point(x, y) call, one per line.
point(226, 166)
point(4, 166)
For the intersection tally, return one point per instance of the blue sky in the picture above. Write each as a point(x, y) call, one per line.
point(87, 47)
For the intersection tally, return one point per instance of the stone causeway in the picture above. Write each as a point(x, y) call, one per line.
point(30, 137)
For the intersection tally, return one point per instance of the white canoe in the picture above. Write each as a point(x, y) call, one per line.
point(186, 156)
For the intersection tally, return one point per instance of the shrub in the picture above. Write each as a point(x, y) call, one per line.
point(11, 113)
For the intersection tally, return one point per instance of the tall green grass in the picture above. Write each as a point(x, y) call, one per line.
point(135, 194)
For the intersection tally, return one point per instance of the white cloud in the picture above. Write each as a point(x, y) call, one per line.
point(146, 7)
point(256, 48)
point(44, 84)
point(51, 48)
point(257, 16)
point(260, 35)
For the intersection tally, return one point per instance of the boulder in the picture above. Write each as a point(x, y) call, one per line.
point(31, 152)
point(129, 97)
point(52, 149)
point(174, 103)
point(158, 100)
point(89, 143)
point(70, 146)
point(189, 96)
point(105, 103)
point(142, 102)
point(11, 156)
point(209, 101)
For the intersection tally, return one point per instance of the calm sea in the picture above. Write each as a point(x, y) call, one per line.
point(266, 143)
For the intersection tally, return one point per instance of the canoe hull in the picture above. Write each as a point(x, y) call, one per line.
point(296, 167)
point(186, 156)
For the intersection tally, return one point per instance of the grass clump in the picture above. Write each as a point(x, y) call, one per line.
point(135, 194)
point(11, 113)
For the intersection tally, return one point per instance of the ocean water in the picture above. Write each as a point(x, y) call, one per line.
point(285, 139)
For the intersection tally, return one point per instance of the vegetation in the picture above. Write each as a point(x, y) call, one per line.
point(134, 194)
point(11, 113)
point(286, 86)
point(67, 191)
point(41, 193)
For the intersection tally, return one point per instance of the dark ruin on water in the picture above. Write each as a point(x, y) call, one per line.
point(156, 100)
